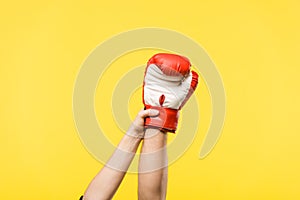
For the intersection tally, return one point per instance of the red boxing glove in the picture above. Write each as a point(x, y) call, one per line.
point(168, 84)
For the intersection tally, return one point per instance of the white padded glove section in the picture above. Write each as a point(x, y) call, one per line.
point(156, 83)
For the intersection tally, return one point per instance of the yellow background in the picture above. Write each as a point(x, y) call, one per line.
point(254, 44)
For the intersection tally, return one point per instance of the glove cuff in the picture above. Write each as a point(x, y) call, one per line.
point(166, 121)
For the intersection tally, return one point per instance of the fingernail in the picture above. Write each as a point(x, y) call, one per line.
point(154, 112)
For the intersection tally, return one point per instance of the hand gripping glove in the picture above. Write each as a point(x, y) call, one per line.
point(168, 84)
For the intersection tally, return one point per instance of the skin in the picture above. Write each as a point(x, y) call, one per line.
point(153, 171)
point(106, 182)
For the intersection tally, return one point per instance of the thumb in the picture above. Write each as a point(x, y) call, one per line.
point(148, 113)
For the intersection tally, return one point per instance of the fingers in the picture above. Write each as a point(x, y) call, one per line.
point(148, 113)
point(137, 128)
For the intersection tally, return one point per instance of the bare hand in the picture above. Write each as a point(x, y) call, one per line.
point(137, 128)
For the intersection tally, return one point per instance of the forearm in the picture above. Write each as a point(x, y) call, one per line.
point(153, 166)
point(106, 182)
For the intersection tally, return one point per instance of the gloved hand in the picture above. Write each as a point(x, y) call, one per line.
point(168, 84)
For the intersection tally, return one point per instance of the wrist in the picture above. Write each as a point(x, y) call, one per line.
point(129, 143)
point(166, 121)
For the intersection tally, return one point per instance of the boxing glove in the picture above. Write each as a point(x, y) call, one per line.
point(168, 84)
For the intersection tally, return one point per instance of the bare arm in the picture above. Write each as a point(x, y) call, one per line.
point(153, 170)
point(107, 181)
